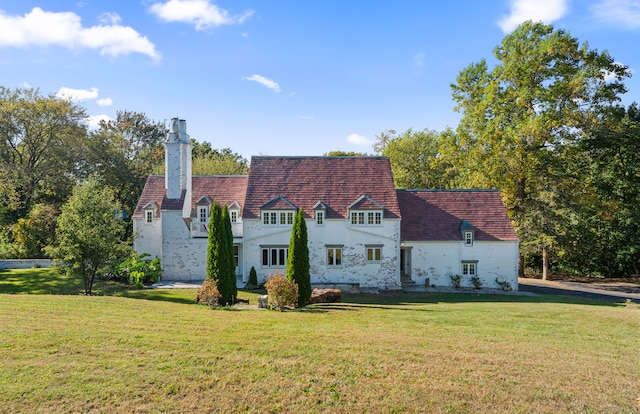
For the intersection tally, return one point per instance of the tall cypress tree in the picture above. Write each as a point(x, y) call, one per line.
point(214, 249)
point(298, 259)
point(227, 285)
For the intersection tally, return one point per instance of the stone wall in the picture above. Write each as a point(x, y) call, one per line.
point(24, 263)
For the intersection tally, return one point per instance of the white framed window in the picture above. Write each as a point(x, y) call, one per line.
point(469, 268)
point(357, 217)
point(366, 218)
point(374, 218)
point(277, 218)
point(203, 214)
point(320, 218)
point(233, 214)
point(274, 256)
point(236, 254)
point(148, 216)
point(374, 253)
point(468, 238)
point(334, 256)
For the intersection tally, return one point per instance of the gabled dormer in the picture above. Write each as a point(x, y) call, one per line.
point(365, 211)
point(320, 213)
point(150, 211)
point(278, 212)
point(468, 232)
point(234, 211)
point(203, 209)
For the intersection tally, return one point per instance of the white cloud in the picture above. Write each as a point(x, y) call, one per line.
point(624, 12)
point(77, 94)
point(264, 81)
point(360, 140)
point(104, 102)
point(202, 13)
point(546, 11)
point(64, 29)
point(93, 122)
point(109, 18)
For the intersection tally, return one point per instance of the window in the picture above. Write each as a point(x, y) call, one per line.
point(274, 256)
point(320, 218)
point(357, 217)
point(368, 218)
point(203, 214)
point(236, 253)
point(374, 253)
point(468, 269)
point(234, 215)
point(334, 256)
point(374, 217)
point(148, 214)
point(275, 218)
point(468, 238)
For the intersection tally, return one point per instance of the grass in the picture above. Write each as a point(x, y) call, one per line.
point(157, 351)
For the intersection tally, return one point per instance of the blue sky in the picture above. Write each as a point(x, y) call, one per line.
point(283, 77)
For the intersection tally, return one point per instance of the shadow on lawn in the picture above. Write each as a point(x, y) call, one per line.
point(396, 300)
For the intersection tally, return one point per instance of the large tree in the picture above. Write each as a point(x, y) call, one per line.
point(123, 152)
point(220, 258)
point(545, 92)
point(614, 152)
point(89, 233)
point(298, 269)
point(40, 141)
point(415, 158)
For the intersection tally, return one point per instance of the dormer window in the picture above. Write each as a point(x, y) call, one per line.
point(234, 211)
point(278, 212)
point(366, 212)
point(149, 212)
point(468, 232)
point(203, 214)
point(320, 213)
point(277, 218)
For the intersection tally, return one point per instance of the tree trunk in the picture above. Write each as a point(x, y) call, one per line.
point(520, 265)
point(545, 263)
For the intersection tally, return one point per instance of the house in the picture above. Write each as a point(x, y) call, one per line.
point(362, 231)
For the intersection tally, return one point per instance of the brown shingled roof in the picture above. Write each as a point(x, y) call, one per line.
point(436, 215)
point(336, 181)
point(153, 192)
point(223, 189)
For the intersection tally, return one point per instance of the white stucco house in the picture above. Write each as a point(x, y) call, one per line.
point(362, 231)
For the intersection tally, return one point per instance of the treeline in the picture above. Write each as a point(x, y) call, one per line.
point(47, 149)
point(545, 127)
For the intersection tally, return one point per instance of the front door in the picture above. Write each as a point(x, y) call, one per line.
point(405, 262)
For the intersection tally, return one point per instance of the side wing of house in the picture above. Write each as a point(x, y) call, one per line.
point(351, 212)
point(466, 233)
point(178, 229)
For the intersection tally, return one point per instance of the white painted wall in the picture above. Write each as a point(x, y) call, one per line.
point(183, 258)
point(438, 260)
point(354, 269)
point(148, 236)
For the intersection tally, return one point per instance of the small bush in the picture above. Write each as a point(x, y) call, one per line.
point(253, 279)
point(208, 293)
point(282, 292)
point(477, 282)
point(455, 280)
point(504, 285)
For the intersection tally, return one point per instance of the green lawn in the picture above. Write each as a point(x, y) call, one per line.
point(157, 351)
